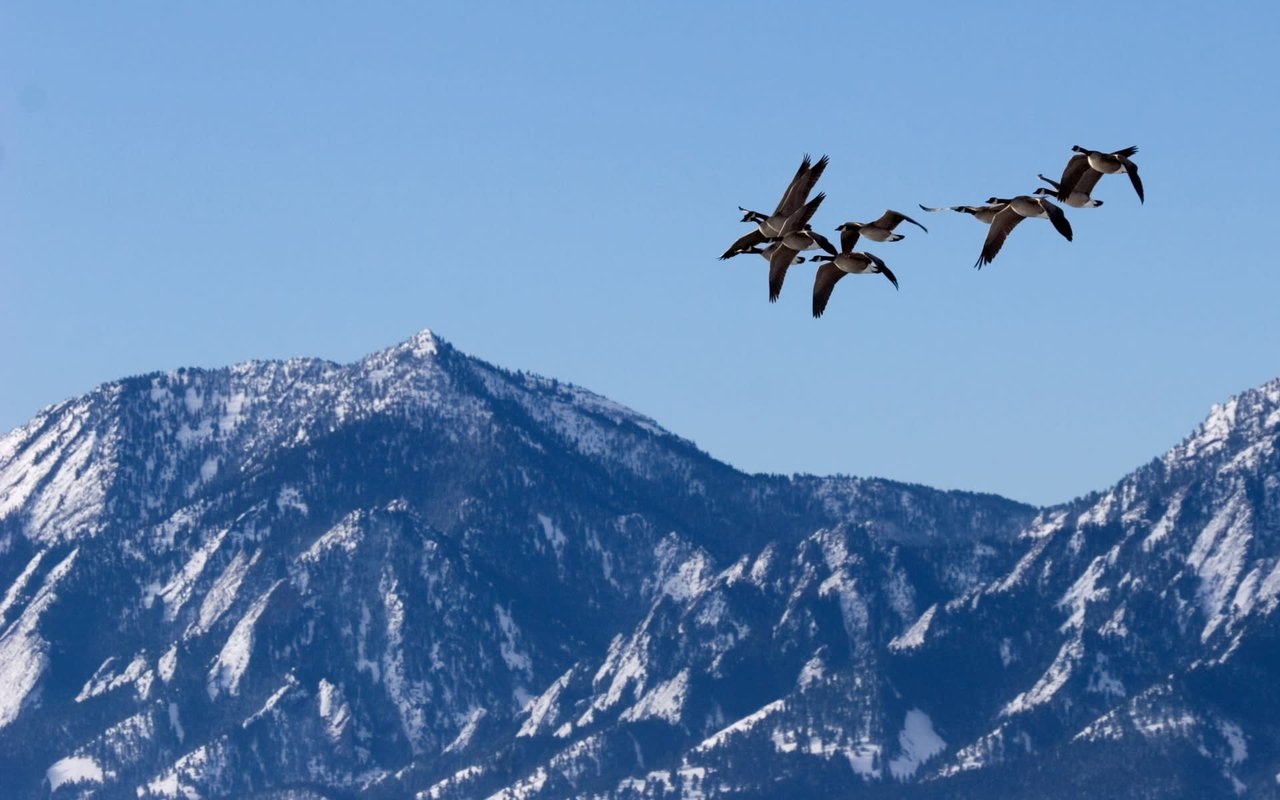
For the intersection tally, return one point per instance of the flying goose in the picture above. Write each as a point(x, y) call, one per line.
point(983, 214)
point(1086, 161)
point(793, 198)
point(770, 226)
point(880, 230)
point(1083, 186)
point(1016, 210)
point(846, 262)
point(797, 235)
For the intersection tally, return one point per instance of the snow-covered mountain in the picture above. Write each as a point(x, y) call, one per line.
point(421, 575)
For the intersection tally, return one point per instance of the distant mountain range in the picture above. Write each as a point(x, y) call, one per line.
point(420, 575)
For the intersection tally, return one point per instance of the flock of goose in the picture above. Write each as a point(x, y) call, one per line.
point(780, 237)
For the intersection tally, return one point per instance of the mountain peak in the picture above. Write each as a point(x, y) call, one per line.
point(422, 345)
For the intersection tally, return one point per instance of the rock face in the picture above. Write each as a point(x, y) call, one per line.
point(419, 574)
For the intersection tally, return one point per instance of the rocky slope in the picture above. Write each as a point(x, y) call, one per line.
point(419, 574)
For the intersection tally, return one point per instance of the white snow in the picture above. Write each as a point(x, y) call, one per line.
point(544, 711)
point(59, 478)
point(665, 701)
point(1050, 682)
point(1101, 681)
point(23, 652)
point(409, 696)
point(175, 722)
point(290, 497)
point(104, 680)
point(209, 469)
point(1170, 518)
point(73, 770)
point(178, 590)
point(271, 701)
point(346, 536)
point(914, 636)
point(919, 743)
point(1235, 739)
point(1218, 557)
point(333, 708)
point(229, 666)
point(515, 658)
point(19, 585)
point(812, 672)
point(468, 730)
point(1083, 592)
point(553, 534)
point(741, 726)
point(168, 663)
point(222, 593)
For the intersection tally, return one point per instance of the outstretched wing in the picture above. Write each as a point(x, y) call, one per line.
point(803, 182)
point(1132, 170)
point(801, 216)
point(1073, 173)
point(744, 244)
point(823, 242)
point(1087, 181)
point(883, 269)
point(778, 262)
point(1058, 217)
point(823, 282)
point(890, 219)
point(1004, 222)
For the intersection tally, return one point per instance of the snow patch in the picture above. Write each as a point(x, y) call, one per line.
point(665, 701)
point(72, 770)
point(229, 667)
point(741, 726)
point(919, 743)
point(23, 652)
point(914, 636)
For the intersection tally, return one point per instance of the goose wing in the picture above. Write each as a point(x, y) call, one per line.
point(1076, 168)
point(1088, 180)
point(883, 269)
point(779, 260)
point(890, 219)
point(823, 242)
point(1058, 217)
point(803, 182)
point(1132, 170)
point(823, 282)
point(744, 244)
point(1005, 221)
point(801, 216)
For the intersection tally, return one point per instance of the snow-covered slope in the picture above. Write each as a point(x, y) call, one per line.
point(421, 575)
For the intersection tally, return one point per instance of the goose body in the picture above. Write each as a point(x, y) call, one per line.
point(879, 230)
point(836, 267)
point(1015, 211)
point(1080, 166)
point(1079, 196)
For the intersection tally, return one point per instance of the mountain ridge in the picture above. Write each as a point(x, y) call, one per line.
point(422, 574)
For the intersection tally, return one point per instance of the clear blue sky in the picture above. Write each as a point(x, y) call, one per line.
point(547, 186)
